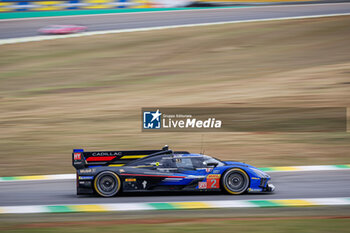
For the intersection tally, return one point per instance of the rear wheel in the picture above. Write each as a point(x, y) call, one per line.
point(107, 184)
point(235, 181)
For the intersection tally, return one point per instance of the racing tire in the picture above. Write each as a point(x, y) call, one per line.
point(107, 184)
point(235, 181)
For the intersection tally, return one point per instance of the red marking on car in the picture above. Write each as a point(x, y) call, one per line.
point(127, 174)
point(202, 185)
point(77, 156)
point(213, 181)
point(100, 158)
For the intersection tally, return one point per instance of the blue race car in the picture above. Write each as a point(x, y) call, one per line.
point(108, 173)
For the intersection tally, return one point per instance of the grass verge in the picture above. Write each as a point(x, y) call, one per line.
point(217, 225)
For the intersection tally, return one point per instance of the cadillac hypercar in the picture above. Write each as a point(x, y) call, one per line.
point(108, 173)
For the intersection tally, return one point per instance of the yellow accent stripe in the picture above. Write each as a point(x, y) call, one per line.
point(133, 156)
point(31, 177)
point(295, 202)
point(191, 205)
point(285, 168)
point(116, 165)
point(87, 208)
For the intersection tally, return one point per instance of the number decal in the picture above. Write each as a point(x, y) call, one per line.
point(213, 184)
point(213, 181)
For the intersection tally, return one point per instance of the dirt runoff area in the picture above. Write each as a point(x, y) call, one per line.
point(88, 92)
point(313, 219)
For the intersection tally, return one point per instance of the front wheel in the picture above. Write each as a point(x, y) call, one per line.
point(107, 184)
point(235, 181)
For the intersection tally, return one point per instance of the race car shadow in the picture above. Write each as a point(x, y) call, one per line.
point(175, 193)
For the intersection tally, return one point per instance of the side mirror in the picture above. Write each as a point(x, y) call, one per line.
point(212, 164)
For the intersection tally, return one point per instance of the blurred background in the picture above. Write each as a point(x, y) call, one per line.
point(88, 92)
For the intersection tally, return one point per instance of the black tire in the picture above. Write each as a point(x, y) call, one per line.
point(107, 184)
point(235, 181)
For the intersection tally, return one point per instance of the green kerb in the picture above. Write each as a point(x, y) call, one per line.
point(262, 203)
point(342, 166)
point(59, 209)
point(35, 14)
point(266, 169)
point(162, 206)
point(9, 178)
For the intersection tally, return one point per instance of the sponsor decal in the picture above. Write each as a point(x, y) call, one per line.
point(77, 156)
point(255, 178)
point(212, 182)
point(86, 177)
point(87, 170)
point(216, 171)
point(115, 153)
point(202, 185)
point(208, 170)
point(144, 184)
point(254, 190)
point(130, 179)
point(213, 176)
point(121, 170)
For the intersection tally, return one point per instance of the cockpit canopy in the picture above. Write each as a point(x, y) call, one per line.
point(178, 161)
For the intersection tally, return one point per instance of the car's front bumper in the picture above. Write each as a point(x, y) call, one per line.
point(270, 188)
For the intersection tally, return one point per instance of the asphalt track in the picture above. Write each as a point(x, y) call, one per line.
point(29, 27)
point(316, 184)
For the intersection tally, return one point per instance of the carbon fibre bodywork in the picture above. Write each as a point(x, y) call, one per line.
point(162, 170)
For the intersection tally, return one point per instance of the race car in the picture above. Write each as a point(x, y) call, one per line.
point(62, 29)
point(108, 173)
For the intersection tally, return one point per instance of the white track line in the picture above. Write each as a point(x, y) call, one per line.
point(107, 207)
point(42, 38)
point(174, 11)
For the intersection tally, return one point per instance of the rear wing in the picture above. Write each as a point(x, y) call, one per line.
point(83, 159)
